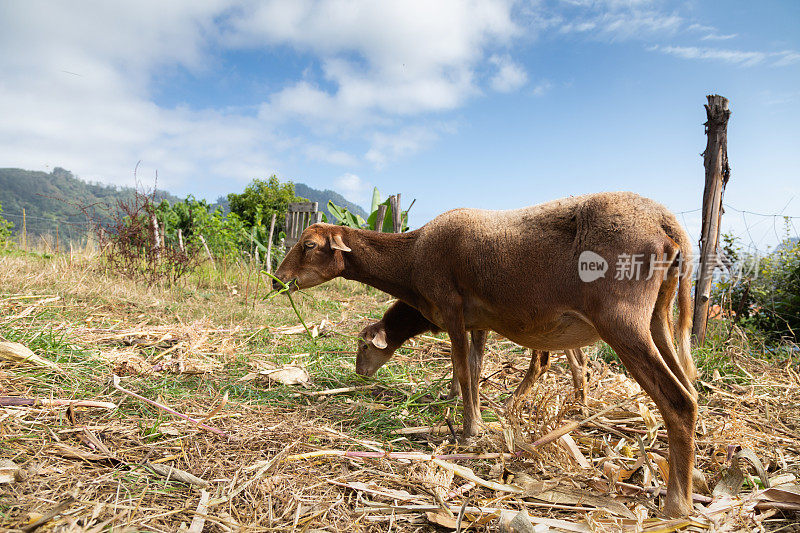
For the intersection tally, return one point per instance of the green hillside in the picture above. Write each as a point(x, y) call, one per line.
point(52, 201)
point(315, 195)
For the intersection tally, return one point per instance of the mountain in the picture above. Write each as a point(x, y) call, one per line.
point(53, 202)
point(315, 195)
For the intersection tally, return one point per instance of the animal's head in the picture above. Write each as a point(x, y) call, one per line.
point(373, 349)
point(316, 258)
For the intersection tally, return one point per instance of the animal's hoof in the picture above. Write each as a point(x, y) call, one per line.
point(468, 442)
point(450, 395)
point(470, 431)
point(677, 508)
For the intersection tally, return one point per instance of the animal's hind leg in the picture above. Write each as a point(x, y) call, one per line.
point(476, 349)
point(635, 347)
point(661, 331)
point(577, 365)
point(540, 362)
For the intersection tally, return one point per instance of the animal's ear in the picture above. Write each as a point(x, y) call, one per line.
point(338, 244)
point(379, 340)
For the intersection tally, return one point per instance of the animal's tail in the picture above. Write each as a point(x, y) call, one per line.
point(684, 259)
point(685, 317)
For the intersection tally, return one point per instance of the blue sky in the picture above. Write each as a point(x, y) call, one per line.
point(495, 104)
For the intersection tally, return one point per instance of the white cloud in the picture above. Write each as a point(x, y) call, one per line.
point(786, 58)
point(329, 155)
point(76, 87)
point(78, 81)
point(509, 76)
point(736, 57)
point(542, 88)
point(387, 147)
point(711, 33)
point(718, 36)
point(353, 188)
point(378, 59)
point(615, 20)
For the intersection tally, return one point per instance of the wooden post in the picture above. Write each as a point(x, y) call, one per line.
point(397, 216)
point(269, 244)
point(24, 230)
point(205, 245)
point(156, 238)
point(379, 217)
point(715, 160)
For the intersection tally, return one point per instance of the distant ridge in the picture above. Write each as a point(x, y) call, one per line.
point(322, 197)
point(51, 200)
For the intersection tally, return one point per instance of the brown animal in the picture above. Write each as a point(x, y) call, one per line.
point(520, 273)
point(378, 342)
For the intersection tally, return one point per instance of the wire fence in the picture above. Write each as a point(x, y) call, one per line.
point(757, 233)
point(54, 233)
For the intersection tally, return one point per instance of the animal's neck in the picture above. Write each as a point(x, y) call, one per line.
point(381, 260)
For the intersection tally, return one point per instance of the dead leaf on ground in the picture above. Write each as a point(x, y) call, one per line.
point(288, 375)
point(19, 353)
point(733, 477)
point(784, 494)
point(376, 490)
point(566, 495)
point(10, 471)
point(317, 330)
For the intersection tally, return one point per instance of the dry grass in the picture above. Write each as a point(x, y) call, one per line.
point(187, 347)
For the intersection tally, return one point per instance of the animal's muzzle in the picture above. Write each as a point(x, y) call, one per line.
point(292, 283)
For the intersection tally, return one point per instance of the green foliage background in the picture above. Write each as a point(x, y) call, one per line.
point(5, 228)
point(261, 199)
point(52, 200)
point(766, 296)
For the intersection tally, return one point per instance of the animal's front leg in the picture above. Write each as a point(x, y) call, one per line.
point(476, 351)
point(461, 369)
point(540, 362)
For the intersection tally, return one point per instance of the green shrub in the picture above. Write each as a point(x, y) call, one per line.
point(764, 291)
point(343, 217)
point(263, 198)
point(5, 229)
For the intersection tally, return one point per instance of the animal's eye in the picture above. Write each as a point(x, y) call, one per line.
point(309, 245)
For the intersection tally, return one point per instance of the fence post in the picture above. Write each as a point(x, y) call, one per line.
point(156, 238)
point(208, 251)
point(379, 217)
point(717, 173)
point(397, 218)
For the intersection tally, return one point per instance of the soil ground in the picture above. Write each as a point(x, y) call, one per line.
point(306, 456)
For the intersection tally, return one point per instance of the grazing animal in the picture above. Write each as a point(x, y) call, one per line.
point(540, 277)
point(378, 342)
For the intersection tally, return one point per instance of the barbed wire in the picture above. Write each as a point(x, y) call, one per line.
point(78, 220)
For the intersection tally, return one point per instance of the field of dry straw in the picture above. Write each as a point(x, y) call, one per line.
point(281, 435)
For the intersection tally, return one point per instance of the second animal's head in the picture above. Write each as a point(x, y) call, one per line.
point(373, 349)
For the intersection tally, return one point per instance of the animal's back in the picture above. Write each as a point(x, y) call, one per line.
point(524, 262)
